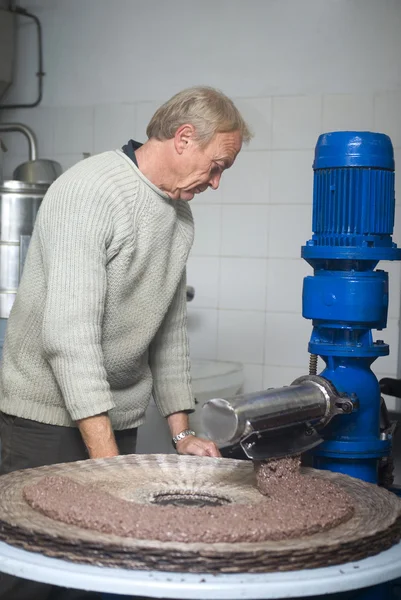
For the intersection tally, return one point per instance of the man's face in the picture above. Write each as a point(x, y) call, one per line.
point(201, 167)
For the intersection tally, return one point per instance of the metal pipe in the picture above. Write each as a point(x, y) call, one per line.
point(40, 73)
point(27, 132)
point(227, 421)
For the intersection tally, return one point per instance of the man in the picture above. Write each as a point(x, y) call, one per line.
point(99, 322)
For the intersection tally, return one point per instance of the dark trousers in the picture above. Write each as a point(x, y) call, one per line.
point(27, 444)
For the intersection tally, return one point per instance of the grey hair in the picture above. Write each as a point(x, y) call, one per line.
point(207, 109)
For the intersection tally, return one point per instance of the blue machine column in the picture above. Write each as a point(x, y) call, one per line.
point(353, 219)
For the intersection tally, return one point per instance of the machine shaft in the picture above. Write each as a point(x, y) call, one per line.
point(277, 421)
point(227, 421)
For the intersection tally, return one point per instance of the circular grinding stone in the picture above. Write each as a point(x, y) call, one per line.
point(183, 513)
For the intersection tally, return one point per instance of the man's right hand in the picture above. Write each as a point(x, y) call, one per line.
point(98, 436)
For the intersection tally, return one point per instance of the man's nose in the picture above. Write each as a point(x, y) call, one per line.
point(215, 181)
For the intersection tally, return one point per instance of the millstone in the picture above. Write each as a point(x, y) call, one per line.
point(183, 513)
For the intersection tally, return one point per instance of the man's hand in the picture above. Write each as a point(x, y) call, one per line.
point(197, 446)
point(190, 445)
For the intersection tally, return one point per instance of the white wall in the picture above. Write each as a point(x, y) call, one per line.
point(296, 69)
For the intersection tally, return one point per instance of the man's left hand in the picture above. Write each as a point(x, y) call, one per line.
point(197, 447)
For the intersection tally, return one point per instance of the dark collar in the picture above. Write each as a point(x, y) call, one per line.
point(129, 150)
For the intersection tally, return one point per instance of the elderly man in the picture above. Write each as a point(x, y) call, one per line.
point(99, 322)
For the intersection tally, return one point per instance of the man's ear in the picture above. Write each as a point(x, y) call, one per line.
point(183, 137)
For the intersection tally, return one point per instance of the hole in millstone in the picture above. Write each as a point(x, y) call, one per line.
point(188, 499)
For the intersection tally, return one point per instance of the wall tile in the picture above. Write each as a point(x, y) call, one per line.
point(379, 372)
point(253, 378)
point(240, 336)
point(284, 284)
point(114, 125)
point(388, 115)
point(343, 112)
point(247, 182)
point(286, 340)
point(291, 177)
point(207, 220)
point(274, 377)
point(209, 196)
point(390, 336)
point(203, 275)
point(11, 162)
point(202, 332)
point(245, 230)
point(289, 228)
point(257, 112)
point(73, 130)
point(144, 112)
point(242, 283)
point(297, 122)
point(67, 160)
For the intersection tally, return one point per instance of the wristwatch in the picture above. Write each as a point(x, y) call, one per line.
point(180, 436)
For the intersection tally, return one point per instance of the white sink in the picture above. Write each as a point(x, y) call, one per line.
point(210, 379)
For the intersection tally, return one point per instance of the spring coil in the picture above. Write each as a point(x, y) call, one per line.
point(313, 364)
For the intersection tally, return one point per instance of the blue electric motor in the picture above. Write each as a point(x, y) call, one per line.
point(353, 219)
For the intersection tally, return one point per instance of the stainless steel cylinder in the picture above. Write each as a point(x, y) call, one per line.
point(227, 421)
point(19, 205)
point(43, 171)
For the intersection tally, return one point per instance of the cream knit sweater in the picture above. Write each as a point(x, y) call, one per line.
point(100, 316)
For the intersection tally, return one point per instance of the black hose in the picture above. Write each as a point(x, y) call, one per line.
point(40, 74)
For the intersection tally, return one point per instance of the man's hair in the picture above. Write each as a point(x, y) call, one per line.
point(207, 109)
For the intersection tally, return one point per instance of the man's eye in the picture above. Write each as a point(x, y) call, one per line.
point(218, 168)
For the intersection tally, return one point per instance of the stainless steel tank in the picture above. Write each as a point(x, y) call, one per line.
point(19, 205)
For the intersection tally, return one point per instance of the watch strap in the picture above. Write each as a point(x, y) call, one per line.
point(182, 435)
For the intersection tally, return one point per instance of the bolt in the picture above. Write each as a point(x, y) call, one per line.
point(347, 407)
point(309, 432)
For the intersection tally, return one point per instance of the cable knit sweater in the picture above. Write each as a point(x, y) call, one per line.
point(99, 320)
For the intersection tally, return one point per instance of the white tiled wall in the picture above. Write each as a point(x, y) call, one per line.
point(297, 122)
point(245, 230)
point(293, 73)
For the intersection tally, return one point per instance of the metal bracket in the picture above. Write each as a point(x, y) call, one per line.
point(281, 442)
point(337, 403)
point(343, 406)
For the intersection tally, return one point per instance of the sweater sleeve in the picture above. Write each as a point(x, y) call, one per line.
point(169, 358)
point(74, 228)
